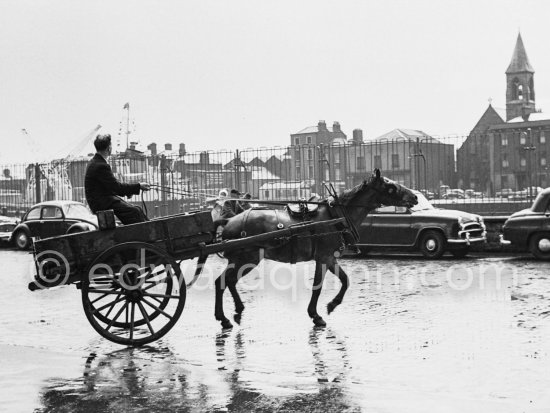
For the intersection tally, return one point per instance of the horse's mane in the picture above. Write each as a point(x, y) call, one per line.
point(350, 194)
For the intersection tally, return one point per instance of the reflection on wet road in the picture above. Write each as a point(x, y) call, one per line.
point(411, 336)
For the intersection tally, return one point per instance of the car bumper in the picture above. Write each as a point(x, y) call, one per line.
point(503, 241)
point(468, 240)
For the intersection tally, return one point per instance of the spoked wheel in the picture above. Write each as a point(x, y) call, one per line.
point(133, 293)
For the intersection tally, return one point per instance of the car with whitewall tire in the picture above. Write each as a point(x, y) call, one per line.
point(423, 228)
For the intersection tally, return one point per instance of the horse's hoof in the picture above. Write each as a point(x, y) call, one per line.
point(318, 321)
point(226, 324)
point(239, 309)
point(331, 307)
point(237, 317)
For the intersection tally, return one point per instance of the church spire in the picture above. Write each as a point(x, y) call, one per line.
point(520, 61)
point(520, 85)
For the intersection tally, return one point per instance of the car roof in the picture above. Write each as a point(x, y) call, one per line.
point(57, 203)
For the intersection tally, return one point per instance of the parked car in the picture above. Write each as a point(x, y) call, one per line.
point(53, 218)
point(454, 194)
point(504, 193)
point(470, 193)
point(7, 225)
point(424, 228)
point(428, 194)
point(443, 189)
point(525, 194)
point(529, 229)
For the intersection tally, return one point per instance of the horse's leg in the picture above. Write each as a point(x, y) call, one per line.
point(236, 269)
point(220, 284)
point(241, 269)
point(318, 279)
point(344, 279)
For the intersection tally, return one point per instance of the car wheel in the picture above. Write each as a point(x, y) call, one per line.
point(22, 240)
point(539, 245)
point(460, 253)
point(432, 244)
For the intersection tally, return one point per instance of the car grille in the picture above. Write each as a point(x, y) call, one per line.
point(471, 230)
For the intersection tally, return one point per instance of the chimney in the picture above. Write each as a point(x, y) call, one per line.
point(167, 146)
point(153, 148)
point(133, 146)
point(336, 127)
point(204, 158)
point(182, 149)
point(322, 125)
point(357, 136)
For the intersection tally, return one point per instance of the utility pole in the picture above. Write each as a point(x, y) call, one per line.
point(529, 148)
point(127, 107)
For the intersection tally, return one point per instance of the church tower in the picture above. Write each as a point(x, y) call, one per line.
point(520, 88)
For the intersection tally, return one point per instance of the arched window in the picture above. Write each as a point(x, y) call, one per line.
point(531, 89)
point(520, 92)
point(515, 85)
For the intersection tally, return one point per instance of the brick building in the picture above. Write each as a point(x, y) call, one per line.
point(509, 153)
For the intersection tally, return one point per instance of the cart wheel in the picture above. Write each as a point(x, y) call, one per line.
point(131, 293)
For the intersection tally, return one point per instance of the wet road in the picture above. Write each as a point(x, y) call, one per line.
point(411, 336)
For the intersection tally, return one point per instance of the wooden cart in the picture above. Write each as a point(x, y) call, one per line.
point(133, 290)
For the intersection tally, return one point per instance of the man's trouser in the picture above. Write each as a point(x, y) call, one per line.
point(127, 213)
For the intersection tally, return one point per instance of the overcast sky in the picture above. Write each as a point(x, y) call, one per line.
point(236, 74)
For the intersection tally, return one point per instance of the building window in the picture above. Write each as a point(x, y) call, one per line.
point(505, 163)
point(337, 174)
point(377, 161)
point(311, 172)
point(296, 141)
point(361, 163)
point(520, 92)
point(308, 139)
point(504, 140)
point(336, 157)
point(310, 154)
point(395, 161)
point(543, 161)
point(522, 139)
point(542, 137)
point(523, 162)
point(298, 172)
point(266, 194)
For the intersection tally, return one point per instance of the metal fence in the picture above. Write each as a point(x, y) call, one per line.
point(490, 173)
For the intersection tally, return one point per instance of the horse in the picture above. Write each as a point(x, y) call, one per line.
point(353, 205)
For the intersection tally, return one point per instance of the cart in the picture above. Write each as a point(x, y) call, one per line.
point(133, 290)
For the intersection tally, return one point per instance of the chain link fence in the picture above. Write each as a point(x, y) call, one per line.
point(492, 173)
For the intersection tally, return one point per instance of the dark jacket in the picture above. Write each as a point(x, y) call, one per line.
point(101, 186)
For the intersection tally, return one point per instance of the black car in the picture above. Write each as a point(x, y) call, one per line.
point(529, 229)
point(427, 229)
point(53, 218)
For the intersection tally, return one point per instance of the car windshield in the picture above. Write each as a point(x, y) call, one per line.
point(423, 203)
point(78, 211)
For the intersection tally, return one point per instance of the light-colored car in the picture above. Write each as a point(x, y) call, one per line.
point(504, 193)
point(454, 194)
point(470, 193)
point(7, 225)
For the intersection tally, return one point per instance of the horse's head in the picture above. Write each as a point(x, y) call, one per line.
point(388, 192)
